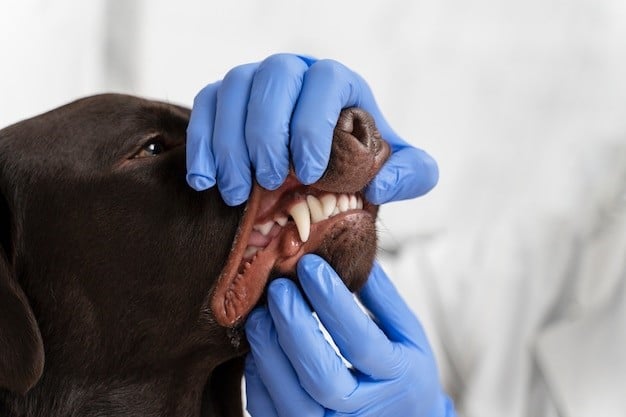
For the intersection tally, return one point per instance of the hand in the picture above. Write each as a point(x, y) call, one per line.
point(262, 113)
point(293, 371)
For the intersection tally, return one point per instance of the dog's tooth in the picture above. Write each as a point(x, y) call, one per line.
point(335, 212)
point(352, 202)
point(317, 211)
point(302, 218)
point(281, 220)
point(264, 228)
point(329, 202)
point(343, 202)
point(250, 252)
point(359, 203)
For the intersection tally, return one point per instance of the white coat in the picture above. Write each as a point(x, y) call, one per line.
point(526, 307)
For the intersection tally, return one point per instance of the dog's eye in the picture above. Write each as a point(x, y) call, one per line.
point(152, 148)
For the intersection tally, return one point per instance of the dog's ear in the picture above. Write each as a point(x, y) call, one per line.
point(21, 346)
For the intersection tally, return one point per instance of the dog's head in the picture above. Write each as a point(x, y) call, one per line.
point(109, 262)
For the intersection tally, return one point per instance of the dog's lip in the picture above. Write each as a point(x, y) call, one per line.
point(241, 284)
point(226, 290)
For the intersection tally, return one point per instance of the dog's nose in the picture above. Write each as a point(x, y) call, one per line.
point(358, 152)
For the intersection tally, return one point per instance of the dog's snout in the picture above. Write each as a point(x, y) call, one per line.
point(358, 152)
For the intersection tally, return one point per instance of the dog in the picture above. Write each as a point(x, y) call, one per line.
point(122, 290)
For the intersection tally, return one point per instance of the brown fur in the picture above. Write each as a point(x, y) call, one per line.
point(106, 262)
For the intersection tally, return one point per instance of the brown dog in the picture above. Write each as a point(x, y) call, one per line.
point(122, 290)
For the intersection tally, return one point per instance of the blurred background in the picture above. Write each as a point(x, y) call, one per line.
point(518, 256)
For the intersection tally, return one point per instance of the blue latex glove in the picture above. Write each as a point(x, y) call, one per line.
point(293, 371)
point(262, 113)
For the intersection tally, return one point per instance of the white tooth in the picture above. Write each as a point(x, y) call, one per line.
point(250, 251)
point(317, 211)
point(335, 212)
point(359, 203)
point(352, 202)
point(264, 228)
point(302, 218)
point(281, 220)
point(329, 202)
point(343, 202)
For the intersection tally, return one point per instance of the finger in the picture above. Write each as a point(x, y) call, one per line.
point(275, 371)
point(358, 338)
point(389, 398)
point(327, 88)
point(234, 177)
point(200, 159)
point(409, 173)
point(320, 370)
point(391, 312)
point(259, 402)
point(275, 90)
point(308, 59)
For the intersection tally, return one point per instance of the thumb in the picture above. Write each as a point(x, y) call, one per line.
point(408, 173)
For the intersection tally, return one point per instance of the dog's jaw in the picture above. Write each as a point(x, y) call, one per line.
point(345, 237)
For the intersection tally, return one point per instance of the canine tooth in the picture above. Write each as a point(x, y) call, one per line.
point(329, 202)
point(335, 212)
point(302, 218)
point(343, 202)
point(359, 203)
point(317, 211)
point(352, 202)
point(281, 220)
point(264, 228)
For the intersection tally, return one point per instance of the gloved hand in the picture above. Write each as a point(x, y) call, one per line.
point(293, 371)
point(262, 113)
